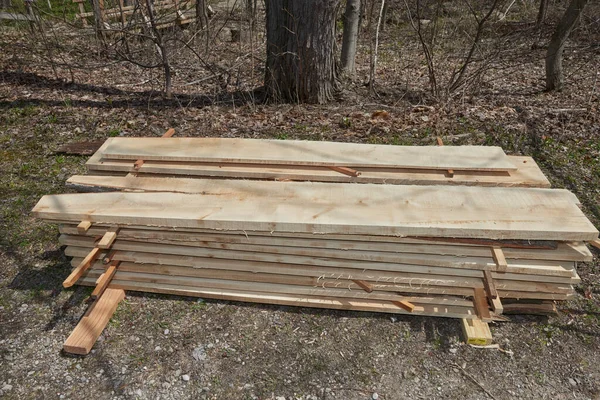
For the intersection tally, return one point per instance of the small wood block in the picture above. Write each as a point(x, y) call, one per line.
point(405, 305)
point(440, 142)
point(366, 286)
point(108, 238)
point(450, 173)
point(497, 306)
point(109, 257)
point(488, 283)
point(82, 267)
point(499, 259)
point(83, 226)
point(92, 324)
point(346, 171)
point(595, 243)
point(138, 164)
point(481, 305)
point(104, 280)
point(170, 132)
point(476, 332)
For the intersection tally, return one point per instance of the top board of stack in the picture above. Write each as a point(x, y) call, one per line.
point(464, 232)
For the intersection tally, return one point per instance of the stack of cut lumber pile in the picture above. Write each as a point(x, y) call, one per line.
point(289, 160)
point(468, 252)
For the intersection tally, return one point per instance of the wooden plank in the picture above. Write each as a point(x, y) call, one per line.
point(382, 272)
point(427, 286)
point(299, 301)
point(82, 267)
point(83, 226)
point(528, 174)
point(80, 148)
point(108, 238)
point(563, 251)
point(595, 243)
point(104, 280)
point(291, 152)
point(499, 259)
point(327, 257)
point(440, 211)
point(282, 288)
point(481, 305)
point(92, 324)
point(488, 282)
point(476, 332)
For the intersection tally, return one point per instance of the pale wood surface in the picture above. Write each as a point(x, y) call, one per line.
point(92, 324)
point(527, 174)
point(292, 152)
point(333, 258)
point(343, 277)
point(425, 286)
point(573, 251)
point(439, 211)
point(296, 300)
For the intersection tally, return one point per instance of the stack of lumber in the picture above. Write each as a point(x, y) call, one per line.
point(460, 251)
point(312, 161)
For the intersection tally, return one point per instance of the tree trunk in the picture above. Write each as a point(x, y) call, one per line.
point(541, 13)
point(351, 18)
point(300, 64)
point(201, 14)
point(554, 71)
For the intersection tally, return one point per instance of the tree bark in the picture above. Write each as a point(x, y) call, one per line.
point(300, 65)
point(554, 70)
point(541, 13)
point(201, 14)
point(350, 39)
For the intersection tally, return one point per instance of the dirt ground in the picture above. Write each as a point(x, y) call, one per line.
point(171, 347)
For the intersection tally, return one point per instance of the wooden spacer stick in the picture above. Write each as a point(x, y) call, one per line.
point(82, 267)
point(104, 280)
point(83, 226)
point(481, 305)
point(595, 243)
point(170, 132)
point(499, 259)
point(405, 305)
point(108, 258)
point(345, 171)
point(488, 283)
point(440, 142)
point(366, 286)
point(108, 238)
point(497, 306)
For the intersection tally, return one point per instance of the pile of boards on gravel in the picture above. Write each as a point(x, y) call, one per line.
point(464, 232)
